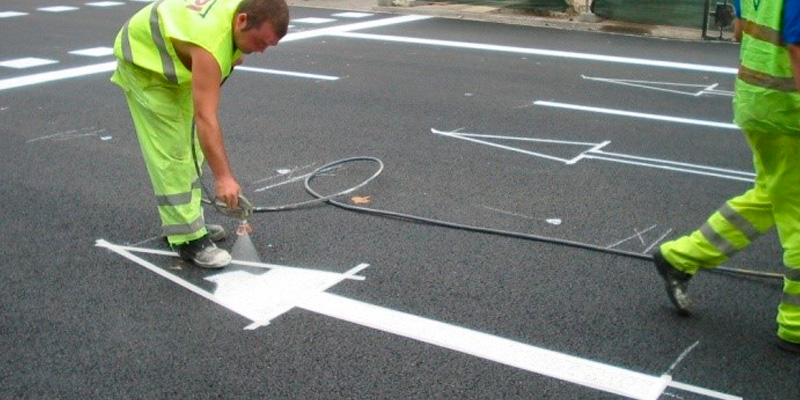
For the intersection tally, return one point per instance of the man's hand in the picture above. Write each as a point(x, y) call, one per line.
point(228, 191)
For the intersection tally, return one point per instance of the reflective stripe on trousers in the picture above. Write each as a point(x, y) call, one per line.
point(774, 200)
point(162, 114)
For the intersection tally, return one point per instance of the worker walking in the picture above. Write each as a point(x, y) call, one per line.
point(767, 109)
point(172, 57)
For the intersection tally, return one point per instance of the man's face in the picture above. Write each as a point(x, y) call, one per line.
point(256, 39)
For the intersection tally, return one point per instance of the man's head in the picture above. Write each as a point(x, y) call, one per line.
point(259, 24)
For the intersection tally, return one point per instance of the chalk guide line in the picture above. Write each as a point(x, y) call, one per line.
point(595, 152)
point(701, 89)
point(263, 297)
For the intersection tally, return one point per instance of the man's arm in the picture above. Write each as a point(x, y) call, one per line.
point(794, 55)
point(206, 80)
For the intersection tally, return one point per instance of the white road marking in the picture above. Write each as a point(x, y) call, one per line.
point(28, 80)
point(94, 52)
point(600, 110)
point(57, 9)
point(665, 86)
point(352, 15)
point(595, 153)
point(11, 14)
point(541, 52)
point(288, 73)
point(312, 20)
point(27, 62)
point(265, 296)
point(105, 3)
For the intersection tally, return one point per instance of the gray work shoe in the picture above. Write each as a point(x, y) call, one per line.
point(204, 253)
point(216, 232)
point(676, 281)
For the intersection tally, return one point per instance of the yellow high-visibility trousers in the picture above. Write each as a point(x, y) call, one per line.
point(774, 200)
point(162, 114)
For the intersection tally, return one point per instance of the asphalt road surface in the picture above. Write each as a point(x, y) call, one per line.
point(611, 143)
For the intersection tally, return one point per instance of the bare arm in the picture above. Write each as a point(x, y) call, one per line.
point(794, 55)
point(206, 80)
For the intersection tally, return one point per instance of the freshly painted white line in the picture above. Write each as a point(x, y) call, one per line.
point(105, 4)
point(352, 27)
point(312, 20)
point(352, 15)
point(94, 52)
point(540, 52)
point(56, 9)
point(500, 146)
point(634, 114)
point(288, 73)
point(668, 162)
point(10, 14)
point(11, 83)
point(27, 62)
point(561, 366)
point(687, 170)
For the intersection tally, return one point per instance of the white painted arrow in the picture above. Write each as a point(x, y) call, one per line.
point(265, 296)
point(668, 87)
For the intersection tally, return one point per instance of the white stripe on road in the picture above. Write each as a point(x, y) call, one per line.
point(724, 125)
point(541, 52)
point(56, 75)
point(110, 66)
point(288, 73)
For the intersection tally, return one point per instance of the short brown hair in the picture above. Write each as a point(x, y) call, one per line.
point(275, 12)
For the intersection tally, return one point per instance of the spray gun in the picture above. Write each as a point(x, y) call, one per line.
point(243, 211)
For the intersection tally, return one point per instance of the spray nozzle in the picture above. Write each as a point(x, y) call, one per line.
point(241, 212)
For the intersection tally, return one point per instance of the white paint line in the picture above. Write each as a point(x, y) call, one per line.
point(180, 282)
point(500, 146)
point(659, 86)
point(57, 9)
point(549, 363)
point(105, 4)
point(313, 20)
point(352, 27)
point(687, 170)
point(704, 391)
point(634, 114)
point(525, 139)
point(352, 14)
point(11, 14)
point(27, 62)
point(94, 52)
point(540, 52)
point(288, 73)
point(668, 162)
point(285, 171)
point(110, 66)
point(581, 156)
point(144, 250)
point(35, 79)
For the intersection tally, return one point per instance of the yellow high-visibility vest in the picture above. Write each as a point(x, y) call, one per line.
point(766, 98)
point(146, 39)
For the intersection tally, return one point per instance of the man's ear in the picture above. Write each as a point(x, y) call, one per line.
point(241, 21)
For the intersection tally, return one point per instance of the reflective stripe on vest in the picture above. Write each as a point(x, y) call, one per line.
point(167, 64)
point(761, 32)
point(792, 274)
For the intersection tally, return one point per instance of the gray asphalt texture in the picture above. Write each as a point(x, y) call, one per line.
point(80, 322)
